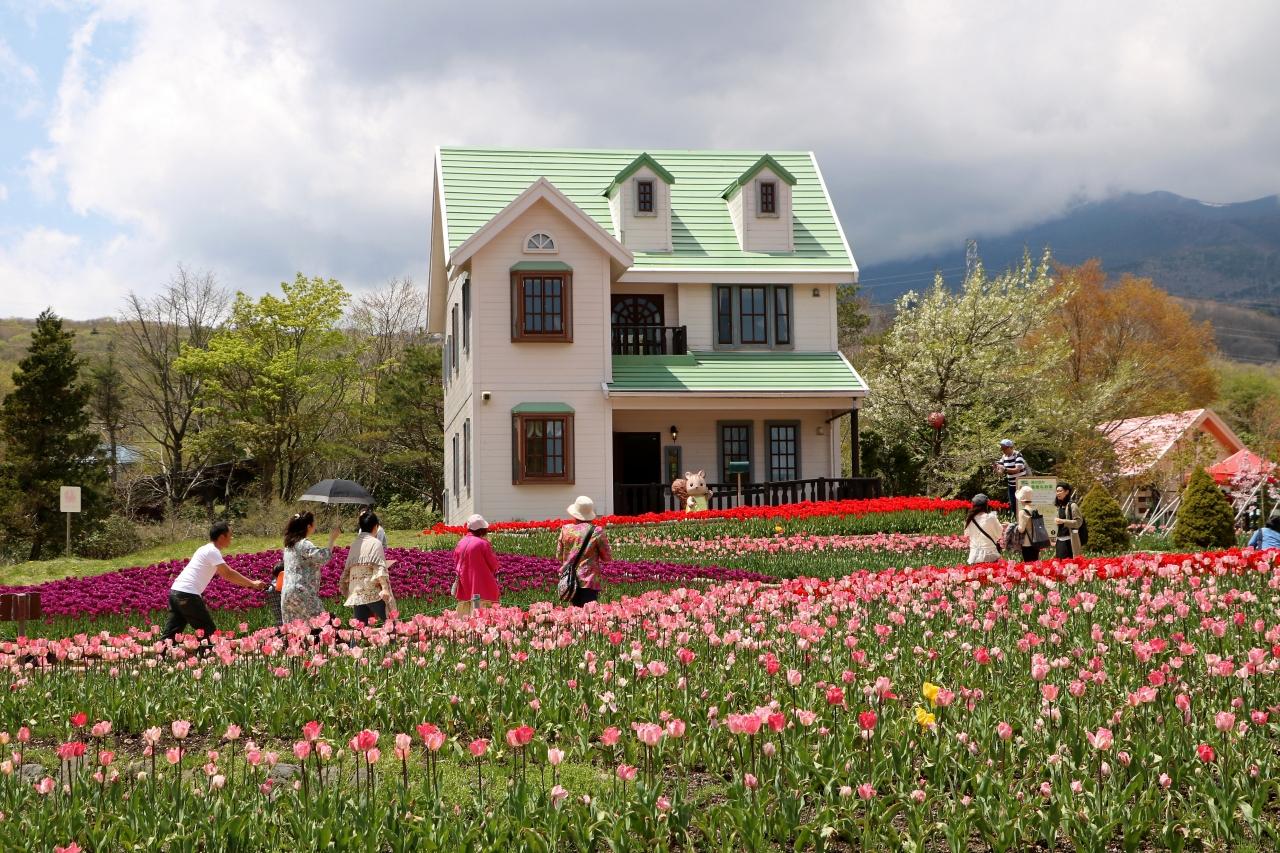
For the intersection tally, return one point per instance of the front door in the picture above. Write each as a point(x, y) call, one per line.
point(637, 472)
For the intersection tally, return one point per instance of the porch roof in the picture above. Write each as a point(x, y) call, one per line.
point(771, 372)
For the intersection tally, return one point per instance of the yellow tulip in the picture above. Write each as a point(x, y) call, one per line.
point(930, 691)
point(924, 718)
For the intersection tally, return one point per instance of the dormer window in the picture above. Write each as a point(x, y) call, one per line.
point(768, 198)
point(540, 243)
point(644, 197)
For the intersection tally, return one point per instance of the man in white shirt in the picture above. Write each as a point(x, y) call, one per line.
point(186, 596)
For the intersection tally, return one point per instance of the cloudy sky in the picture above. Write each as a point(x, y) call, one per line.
point(256, 139)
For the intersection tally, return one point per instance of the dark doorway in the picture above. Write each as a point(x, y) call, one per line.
point(637, 309)
point(637, 472)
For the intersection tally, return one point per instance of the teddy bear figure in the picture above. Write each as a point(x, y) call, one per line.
point(695, 485)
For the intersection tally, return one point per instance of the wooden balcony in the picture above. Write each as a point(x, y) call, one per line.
point(637, 498)
point(649, 340)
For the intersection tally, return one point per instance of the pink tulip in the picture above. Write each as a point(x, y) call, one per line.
point(675, 728)
point(180, 728)
point(626, 772)
point(558, 794)
point(555, 756)
point(101, 729)
point(46, 785)
point(172, 755)
point(478, 747)
point(610, 736)
point(1101, 740)
point(302, 749)
point(1225, 721)
point(750, 781)
point(866, 791)
point(311, 731)
point(1004, 730)
point(232, 732)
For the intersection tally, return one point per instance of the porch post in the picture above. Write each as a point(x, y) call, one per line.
point(855, 447)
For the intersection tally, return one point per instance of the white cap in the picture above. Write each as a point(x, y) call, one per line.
point(477, 522)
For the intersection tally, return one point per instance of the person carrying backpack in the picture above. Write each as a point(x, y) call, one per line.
point(1032, 534)
point(1071, 530)
point(585, 543)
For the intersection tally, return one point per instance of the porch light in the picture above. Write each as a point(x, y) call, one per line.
point(675, 433)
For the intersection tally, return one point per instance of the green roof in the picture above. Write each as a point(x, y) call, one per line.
point(541, 408)
point(635, 166)
point(754, 371)
point(477, 183)
point(539, 265)
point(746, 176)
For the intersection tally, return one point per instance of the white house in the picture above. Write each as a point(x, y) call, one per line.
point(612, 319)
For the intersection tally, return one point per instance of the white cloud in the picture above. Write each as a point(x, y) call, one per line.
point(260, 138)
point(4, 193)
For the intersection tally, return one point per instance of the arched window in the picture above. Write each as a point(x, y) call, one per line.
point(539, 242)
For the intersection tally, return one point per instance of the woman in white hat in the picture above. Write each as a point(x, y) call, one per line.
point(572, 538)
point(476, 564)
point(1028, 513)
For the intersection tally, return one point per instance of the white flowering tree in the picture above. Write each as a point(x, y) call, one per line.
point(984, 357)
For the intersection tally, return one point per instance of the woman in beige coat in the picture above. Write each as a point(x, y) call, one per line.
point(1069, 522)
point(365, 584)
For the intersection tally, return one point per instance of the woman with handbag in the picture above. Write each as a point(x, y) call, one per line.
point(587, 545)
point(477, 567)
point(982, 526)
point(1069, 522)
point(1033, 535)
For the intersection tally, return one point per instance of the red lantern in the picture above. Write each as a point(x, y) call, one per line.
point(937, 420)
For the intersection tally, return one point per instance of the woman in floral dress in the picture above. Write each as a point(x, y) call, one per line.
point(300, 597)
point(583, 511)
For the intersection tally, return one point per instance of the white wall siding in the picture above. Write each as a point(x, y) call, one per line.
point(529, 371)
point(645, 233)
point(696, 311)
point(812, 317)
point(771, 233)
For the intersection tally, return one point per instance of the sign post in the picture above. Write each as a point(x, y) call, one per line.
point(1044, 493)
point(70, 502)
point(737, 468)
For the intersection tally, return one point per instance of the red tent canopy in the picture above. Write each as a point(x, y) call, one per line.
point(1240, 461)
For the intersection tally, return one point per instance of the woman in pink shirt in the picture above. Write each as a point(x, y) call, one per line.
point(476, 564)
point(583, 511)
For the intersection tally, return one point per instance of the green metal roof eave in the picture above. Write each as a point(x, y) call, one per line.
point(542, 409)
point(745, 373)
point(766, 160)
point(634, 166)
point(523, 266)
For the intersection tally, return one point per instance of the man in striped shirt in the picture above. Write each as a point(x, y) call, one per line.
point(1013, 466)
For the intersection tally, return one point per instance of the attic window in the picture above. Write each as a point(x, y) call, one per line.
point(540, 243)
point(768, 198)
point(644, 197)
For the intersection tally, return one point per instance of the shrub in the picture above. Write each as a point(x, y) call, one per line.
point(1108, 528)
point(1205, 519)
point(112, 537)
point(405, 514)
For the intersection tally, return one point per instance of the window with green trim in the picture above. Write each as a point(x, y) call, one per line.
point(543, 451)
point(753, 315)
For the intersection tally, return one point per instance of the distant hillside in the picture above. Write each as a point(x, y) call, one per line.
point(1243, 334)
point(92, 337)
point(1228, 252)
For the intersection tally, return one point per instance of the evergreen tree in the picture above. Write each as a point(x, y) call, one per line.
point(108, 395)
point(1108, 528)
point(1205, 519)
point(48, 443)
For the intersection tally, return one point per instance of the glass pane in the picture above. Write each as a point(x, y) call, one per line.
point(752, 315)
point(724, 315)
point(782, 315)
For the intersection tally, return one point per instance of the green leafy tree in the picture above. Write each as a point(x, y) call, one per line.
point(410, 418)
point(275, 381)
point(48, 442)
point(108, 397)
point(1108, 528)
point(984, 357)
point(1205, 519)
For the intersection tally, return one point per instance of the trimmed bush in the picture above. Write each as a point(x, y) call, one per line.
point(402, 514)
point(112, 537)
point(1205, 519)
point(1108, 528)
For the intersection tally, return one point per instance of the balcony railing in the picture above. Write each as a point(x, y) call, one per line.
point(636, 498)
point(650, 340)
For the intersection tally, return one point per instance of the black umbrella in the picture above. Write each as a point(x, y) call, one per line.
point(337, 492)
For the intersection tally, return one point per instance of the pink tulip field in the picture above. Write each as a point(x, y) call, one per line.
point(1116, 703)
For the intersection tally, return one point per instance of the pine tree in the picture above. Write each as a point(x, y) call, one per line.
point(48, 443)
point(1108, 528)
point(1205, 519)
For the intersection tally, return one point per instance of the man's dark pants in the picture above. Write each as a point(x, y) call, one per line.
point(1013, 500)
point(185, 609)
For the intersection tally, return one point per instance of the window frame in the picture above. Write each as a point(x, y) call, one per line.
point(519, 451)
point(653, 197)
point(775, 200)
point(453, 339)
point(545, 250)
point(772, 341)
point(722, 462)
point(466, 315)
point(466, 455)
point(769, 426)
point(518, 333)
point(457, 492)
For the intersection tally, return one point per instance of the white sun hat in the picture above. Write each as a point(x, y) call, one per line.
point(477, 522)
point(1025, 494)
point(583, 509)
